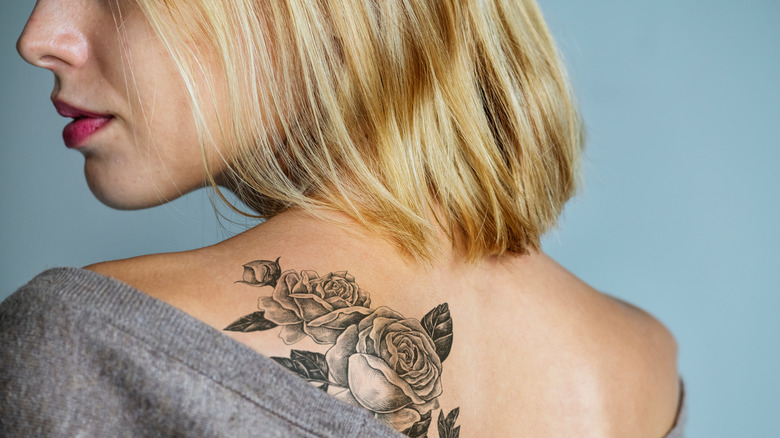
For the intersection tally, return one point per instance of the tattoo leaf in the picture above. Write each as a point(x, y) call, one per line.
point(309, 365)
point(438, 324)
point(254, 322)
point(447, 428)
point(420, 428)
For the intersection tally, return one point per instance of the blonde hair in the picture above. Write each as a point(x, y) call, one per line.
point(405, 115)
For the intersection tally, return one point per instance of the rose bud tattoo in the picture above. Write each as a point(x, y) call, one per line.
point(261, 273)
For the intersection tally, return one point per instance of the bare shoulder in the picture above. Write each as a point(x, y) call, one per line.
point(615, 363)
point(147, 273)
point(643, 361)
point(196, 282)
point(122, 270)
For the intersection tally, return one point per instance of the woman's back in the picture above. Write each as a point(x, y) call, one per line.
point(440, 135)
point(533, 348)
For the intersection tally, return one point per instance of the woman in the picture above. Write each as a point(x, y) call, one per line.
point(407, 156)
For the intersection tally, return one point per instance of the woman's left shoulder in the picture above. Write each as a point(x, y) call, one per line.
point(624, 351)
point(652, 341)
point(642, 357)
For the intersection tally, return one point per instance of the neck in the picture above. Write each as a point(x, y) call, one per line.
point(329, 242)
point(328, 234)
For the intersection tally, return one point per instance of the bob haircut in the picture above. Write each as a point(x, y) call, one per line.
point(411, 116)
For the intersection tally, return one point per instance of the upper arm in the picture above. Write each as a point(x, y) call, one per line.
point(664, 378)
point(651, 386)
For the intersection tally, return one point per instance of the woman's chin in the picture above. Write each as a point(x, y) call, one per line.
point(123, 202)
point(132, 189)
point(120, 197)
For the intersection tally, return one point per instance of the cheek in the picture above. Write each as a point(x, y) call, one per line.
point(164, 148)
point(163, 130)
point(158, 112)
point(166, 129)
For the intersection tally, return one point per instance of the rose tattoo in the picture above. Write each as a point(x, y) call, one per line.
point(261, 273)
point(390, 365)
point(321, 307)
point(377, 359)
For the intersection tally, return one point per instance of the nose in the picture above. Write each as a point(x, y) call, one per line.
point(52, 38)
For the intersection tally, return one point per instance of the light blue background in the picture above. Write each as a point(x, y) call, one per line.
point(678, 215)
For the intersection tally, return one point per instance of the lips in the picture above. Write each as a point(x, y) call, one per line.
point(84, 125)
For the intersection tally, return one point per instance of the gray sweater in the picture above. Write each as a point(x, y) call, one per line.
point(82, 355)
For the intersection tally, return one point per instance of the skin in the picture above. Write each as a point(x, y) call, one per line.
point(535, 349)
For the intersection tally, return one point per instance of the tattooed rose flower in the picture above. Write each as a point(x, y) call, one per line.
point(321, 307)
point(261, 273)
point(390, 365)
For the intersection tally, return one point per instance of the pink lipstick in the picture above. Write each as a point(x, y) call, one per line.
point(84, 125)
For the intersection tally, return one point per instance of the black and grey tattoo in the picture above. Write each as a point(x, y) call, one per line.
point(376, 359)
